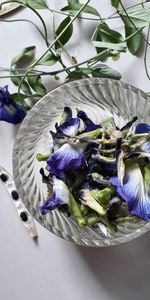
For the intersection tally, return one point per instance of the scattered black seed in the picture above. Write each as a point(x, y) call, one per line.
point(23, 216)
point(15, 195)
point(3, 177)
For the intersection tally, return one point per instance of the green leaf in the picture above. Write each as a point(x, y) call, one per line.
point(24, 86)
point(77, 74)
point(74, 7)
point(112, 46)
point(48, 60)
point(18, 98)
point(115, 3)
point(36, 84)
point(70, 2)
point(108, 35)
point(101, 70)
point(140, 16)
point(135, 42)
point(67, 34)
point(104, 33)
point(37, 4)
point(26, 54)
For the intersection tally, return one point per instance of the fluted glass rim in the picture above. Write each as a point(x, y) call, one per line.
point(16, 166)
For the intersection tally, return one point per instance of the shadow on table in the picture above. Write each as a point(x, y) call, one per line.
point(124, 270)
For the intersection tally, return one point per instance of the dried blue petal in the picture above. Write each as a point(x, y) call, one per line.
point(88, 123)
point(9, 110)
point(66, 115)
point(135, 190)
point(70, 128)
point(59, 197)
point(67, 157)
point(142, 128)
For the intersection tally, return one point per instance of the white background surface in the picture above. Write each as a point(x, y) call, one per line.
point(53, 268)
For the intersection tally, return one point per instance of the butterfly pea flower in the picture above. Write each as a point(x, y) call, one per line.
point(135, 189)
point(61, 195)
point(142, 128)
point(88, 123)
point(10, 111)
point(67, 157)
point(71, 154)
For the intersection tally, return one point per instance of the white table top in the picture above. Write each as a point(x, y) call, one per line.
point(54, 268)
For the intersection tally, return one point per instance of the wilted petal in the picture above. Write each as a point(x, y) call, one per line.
point(59, 197)
point(88, 123)
point(9, 110)
point(87, 199)
point(143, 128)
point(11, 115)
point(66, 115)
point(67, 157)
point(70, 128)
point(135, 190)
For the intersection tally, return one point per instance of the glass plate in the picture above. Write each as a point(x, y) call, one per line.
point(99, 98)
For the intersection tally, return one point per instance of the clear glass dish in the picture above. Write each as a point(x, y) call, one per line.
point(99, 98)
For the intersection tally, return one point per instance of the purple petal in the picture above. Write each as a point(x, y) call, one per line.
point(66, 115)
point(134, 192)
point(9, 110)
point(67, 157)
point(89, 124)
point(70, 128)
point(11, 115)
point(142, 128)
point(59, 197)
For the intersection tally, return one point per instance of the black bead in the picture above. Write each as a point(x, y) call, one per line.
point(3, 177)
point(14, 195)
point(23, 216)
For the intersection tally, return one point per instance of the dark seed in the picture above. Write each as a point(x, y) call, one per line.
point(14, 195)
point(23, 216)
point(3, 177)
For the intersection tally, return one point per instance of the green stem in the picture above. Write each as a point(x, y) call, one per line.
point(23, 20)
point(90, 19)
point(43, 23)
point(145, 54)
point(137, 30)
point(50, 46)
point(62, 70)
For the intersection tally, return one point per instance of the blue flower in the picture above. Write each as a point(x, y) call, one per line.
point(70, 128)
point(143, 128)
point(67, 157)
point(88, 123)
point(60, 196)
point(135, 189)
point(9, 110)
point(69, 153)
